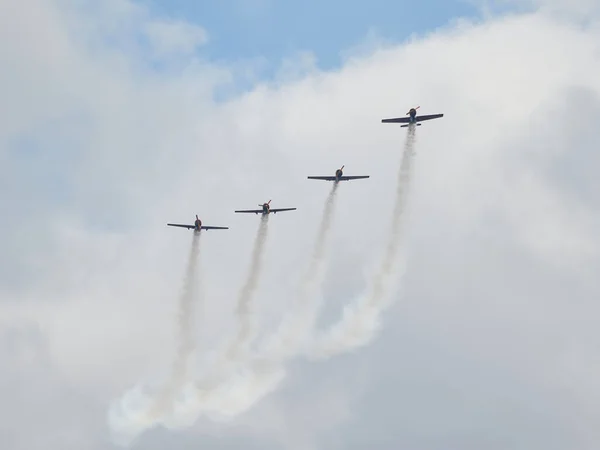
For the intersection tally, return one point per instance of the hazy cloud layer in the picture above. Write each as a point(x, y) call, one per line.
point(577, 8)
point(107, 134)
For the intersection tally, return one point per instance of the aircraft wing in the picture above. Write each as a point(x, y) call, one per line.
point(342, 178)
point(353, 177)
point(322, 178)
point(396, 120)
point(417, 119)
point(214, 228)
point(181, 225)
point(282, 209)
point(255, 211)
point(429, 117)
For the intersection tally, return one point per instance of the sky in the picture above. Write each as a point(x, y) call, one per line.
point(269, 30)
point(450, 300)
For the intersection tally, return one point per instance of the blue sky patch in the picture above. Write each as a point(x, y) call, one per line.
point(274, 29)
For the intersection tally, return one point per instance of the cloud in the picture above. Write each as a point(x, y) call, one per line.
point(581, 9)
point(298, 67)
point(175, 37)
point(99, 150)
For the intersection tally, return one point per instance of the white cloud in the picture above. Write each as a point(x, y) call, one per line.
point(175, 37)
point(576, 6)
point(99, 152)
point(581, 9)
point(297, 67)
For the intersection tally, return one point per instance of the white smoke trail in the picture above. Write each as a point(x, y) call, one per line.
point(245, 333)
point(360, 320)
point(260, 373)
point(298, 325)
point(189, 299)
point(128, 420)
point(222, 389)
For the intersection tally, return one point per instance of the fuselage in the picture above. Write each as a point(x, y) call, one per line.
point(413, 114)
point(197, 224)
point(266, 208)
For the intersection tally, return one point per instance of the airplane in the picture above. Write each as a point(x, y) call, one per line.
point(339, 176)
point(197, 226)
point(412, 119)
point(266, 209)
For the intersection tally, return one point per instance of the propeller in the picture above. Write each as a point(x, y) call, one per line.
point(414, 109)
